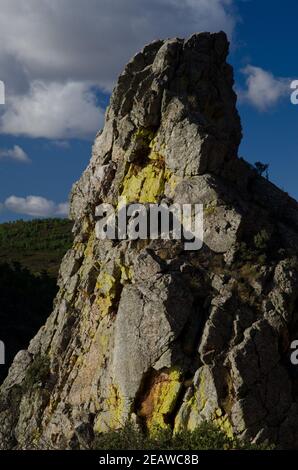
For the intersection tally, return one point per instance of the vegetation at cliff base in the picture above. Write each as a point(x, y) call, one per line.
point(205, 436)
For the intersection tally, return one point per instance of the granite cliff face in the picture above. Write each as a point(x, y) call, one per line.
point(144, 330)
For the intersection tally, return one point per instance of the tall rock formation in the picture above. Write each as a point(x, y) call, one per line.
point(144, 330)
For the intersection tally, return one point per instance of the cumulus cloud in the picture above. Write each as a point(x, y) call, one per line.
point(62, 209)
point(35, 206)
point(53, 111)
point(16, 153)
point(263, 89)
point(60, 45)
point(56, 40)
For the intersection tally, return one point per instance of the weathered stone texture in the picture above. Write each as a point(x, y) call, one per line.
point(145, 330)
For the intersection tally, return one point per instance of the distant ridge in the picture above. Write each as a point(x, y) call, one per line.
point(38, 245)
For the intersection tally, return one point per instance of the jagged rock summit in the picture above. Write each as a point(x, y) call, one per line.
point(144, 330)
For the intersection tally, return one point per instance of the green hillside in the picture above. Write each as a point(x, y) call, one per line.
point(30, 256)
point(38, 245)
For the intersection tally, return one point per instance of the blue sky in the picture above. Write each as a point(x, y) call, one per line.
point(266, 37)
point(60, 68)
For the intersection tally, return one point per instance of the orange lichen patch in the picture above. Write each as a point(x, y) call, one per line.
point(158, 404)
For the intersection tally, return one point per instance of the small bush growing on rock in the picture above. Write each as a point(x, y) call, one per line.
point(261, 240)
point(38, 372)
point(262, 168)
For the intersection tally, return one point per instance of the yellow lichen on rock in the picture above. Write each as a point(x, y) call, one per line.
point(200, 404)
point(153, 185)
point(106, 289)
point(161, 399)
point(113, 418)
point(144, 134)
point(132, 184)
point(116, 406)
point(90, 245)
point(126, 274)
point(144, 185)
point(221, 420)
point(108, 286)
point(145, 182)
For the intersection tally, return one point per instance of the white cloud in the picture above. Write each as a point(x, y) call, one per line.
point(263, 89)
point(93, 40)
point(55, 45)
point(53, 111)
point(16, 153)
point(62, 209)
point(35, 206)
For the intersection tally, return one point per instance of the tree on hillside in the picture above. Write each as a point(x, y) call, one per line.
point(262, 168)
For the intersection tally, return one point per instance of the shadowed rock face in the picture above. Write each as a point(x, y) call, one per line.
point(144, 330)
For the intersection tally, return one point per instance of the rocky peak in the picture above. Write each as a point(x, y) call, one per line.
point(179, 92)
point(144, 330)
